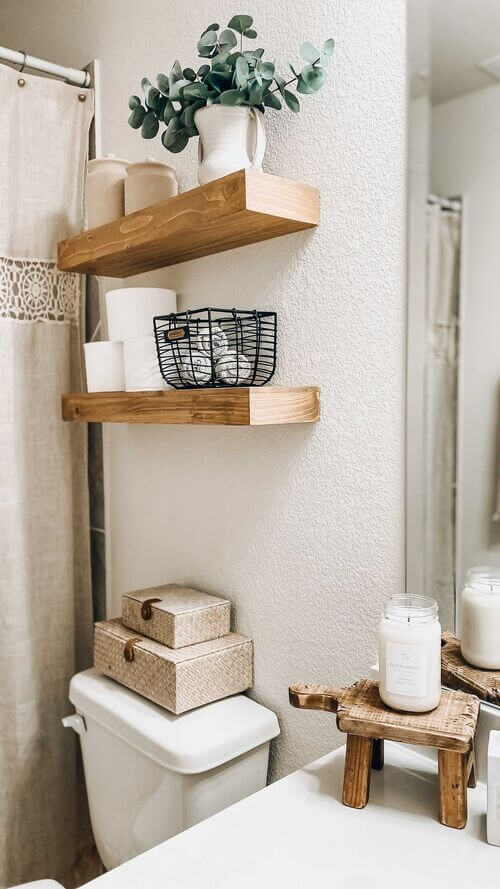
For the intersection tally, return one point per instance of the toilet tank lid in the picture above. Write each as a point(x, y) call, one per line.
point(190, 743)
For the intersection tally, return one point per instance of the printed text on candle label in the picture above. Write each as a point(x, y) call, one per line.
point(406, 669)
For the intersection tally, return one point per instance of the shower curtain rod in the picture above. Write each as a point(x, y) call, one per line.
point(19, 57)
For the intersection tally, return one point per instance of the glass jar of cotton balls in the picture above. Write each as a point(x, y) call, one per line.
point(204, 348)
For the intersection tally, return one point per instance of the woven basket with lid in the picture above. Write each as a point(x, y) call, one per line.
point(176, 615)
point(177, 679)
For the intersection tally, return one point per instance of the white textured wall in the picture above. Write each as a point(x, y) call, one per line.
point(465, 161)
point(302, 527)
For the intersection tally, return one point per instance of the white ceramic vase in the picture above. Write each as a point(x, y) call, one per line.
point(231, 138)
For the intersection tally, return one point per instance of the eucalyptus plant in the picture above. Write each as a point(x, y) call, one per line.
point(232, 75)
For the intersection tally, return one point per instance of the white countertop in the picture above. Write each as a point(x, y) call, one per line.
point(297, 834)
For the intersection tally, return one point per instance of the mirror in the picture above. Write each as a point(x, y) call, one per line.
point(453, 396)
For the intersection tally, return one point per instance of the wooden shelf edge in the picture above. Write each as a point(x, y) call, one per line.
point(260, 406)
point(243, 208)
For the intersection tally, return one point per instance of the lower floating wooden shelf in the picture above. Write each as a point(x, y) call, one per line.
point(260, 406)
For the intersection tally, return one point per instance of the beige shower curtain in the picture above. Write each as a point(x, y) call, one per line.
point(45, 599)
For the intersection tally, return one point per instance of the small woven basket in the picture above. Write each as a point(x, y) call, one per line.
point(207, 348)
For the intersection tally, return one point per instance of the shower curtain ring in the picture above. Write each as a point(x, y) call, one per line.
point(23, 66)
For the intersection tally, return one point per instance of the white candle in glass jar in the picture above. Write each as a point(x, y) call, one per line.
point(410, 654)
point(480, 642)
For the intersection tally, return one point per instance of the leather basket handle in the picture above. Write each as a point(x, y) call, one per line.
point(308, 696)
point(128, 648)
point(146, 612)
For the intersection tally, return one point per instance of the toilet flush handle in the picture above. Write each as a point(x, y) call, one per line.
point(76, 722)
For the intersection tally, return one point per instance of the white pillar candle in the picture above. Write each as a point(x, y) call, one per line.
point(480, 642)
point(130, 310)
point(410, 654)
point(104, 367)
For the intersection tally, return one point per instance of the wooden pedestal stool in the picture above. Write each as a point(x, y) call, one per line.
point(451, 727)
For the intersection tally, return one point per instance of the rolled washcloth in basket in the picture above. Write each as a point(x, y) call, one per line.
point(232, 368)
point(195, 369)
point(212, 334)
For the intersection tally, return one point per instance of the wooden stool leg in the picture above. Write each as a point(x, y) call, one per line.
point(452, 788)
point(471, 769)
point(378, 754)
point(357, 771)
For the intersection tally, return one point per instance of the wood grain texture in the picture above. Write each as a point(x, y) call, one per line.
point(360, 711)
point(220, 407)
point(308, 696)
point(457, 673)
point(357, 771)
point(452, 768)
point(242, 208)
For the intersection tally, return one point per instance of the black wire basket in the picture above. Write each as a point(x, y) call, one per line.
point(207, 348)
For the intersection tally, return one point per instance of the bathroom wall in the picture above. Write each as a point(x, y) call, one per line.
point(302, 527)
point(465, 153)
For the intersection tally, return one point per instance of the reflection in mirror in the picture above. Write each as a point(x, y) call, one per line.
point(453, 455)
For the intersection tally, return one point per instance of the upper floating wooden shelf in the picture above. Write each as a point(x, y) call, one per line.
point(260, 406)
point(242, 208)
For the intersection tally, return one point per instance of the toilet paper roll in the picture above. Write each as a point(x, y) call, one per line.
point(104, 367)
point(131, 310)
point(142, 371)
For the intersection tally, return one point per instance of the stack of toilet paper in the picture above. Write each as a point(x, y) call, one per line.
point(173, 645)
point(129, 361)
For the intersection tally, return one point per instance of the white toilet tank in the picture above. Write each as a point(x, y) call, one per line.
point(151, 774)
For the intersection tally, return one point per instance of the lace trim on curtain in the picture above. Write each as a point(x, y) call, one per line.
point(32, 290)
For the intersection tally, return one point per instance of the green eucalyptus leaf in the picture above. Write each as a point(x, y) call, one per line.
point(195, 91)
point(136, 117)
point(232, 97)
point(223, 68)
point(258, 76)
point(241, 71)
point(169, 133)
point(175, 72)
point(205, 52)
point(219, 80)
point(209, 38)
point(180, 142)
point(150, 126)
point(256, 92)
point(250, 33)
point(258, 53)
point(221, 57)
point(163, 85)
point(271, 101)
point(177, 89)
point(233, 57)
point(213, 27)
point(145, 84)
point(280, 83)
point(203, 70)
point(291, 100)
point(309, 52)
point(134, 102)
point(241, 23)
point(189, 74)
point(266, 69)
point(228, 38)
point(152, 97)
point(314, 76)
point(328, 47)
point(302, 87)
point(169, 112)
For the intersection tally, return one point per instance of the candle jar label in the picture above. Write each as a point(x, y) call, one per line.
point(406, 669)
